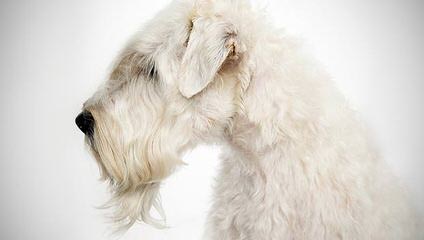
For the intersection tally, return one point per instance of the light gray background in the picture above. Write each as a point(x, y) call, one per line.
point(54, 53)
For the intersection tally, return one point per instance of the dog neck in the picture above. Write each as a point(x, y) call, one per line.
point(279, 110)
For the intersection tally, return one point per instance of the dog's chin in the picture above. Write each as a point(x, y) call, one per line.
point(134, 197)
point(131, 202)
point(136, 204)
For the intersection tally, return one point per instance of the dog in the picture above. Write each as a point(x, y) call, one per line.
point(298, 162)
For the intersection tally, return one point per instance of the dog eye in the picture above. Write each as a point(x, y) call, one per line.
point(190, 25)
point(189, 29)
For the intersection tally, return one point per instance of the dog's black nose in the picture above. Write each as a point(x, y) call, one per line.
point(85, 122)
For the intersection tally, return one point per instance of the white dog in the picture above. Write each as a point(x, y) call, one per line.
point(298, 164)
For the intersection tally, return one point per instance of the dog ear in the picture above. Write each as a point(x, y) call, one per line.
point(209, 45)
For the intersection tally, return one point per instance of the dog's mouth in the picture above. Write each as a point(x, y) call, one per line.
point(95, 153)
point(90, 142)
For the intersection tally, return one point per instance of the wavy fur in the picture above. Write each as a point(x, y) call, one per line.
point(298, 162)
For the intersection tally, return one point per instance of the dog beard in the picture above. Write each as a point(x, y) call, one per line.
point(134, 205)
point(134, 172)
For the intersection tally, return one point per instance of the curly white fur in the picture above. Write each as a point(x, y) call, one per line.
point(298, 163)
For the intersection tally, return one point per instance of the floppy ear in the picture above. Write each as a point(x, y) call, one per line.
point(210, 44)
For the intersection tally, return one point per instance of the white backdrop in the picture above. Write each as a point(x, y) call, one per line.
point(54, 53)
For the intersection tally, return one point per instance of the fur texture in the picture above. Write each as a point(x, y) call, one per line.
point(298, 163)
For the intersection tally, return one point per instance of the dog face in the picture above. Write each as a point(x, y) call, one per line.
point(177, 83)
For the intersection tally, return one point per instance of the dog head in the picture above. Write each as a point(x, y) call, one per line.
point(177, 83)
